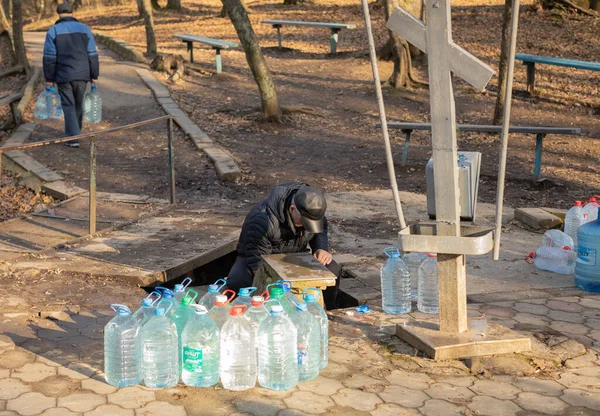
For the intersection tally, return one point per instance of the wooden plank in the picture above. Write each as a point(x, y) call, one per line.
point(489, 129)
point(413, 30)
point(217, 43)
point(548, 60)
point(312, 24)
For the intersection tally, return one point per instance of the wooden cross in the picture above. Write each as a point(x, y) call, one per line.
point(445, 57)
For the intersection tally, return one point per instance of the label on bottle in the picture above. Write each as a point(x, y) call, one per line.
point(302, 354)
point(586, 256)
point(192, 359)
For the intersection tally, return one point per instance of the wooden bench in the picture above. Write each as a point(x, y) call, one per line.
point(335, 28)
point(216, 44)
point(11, 100)
point(540, 133)
point(531, 60)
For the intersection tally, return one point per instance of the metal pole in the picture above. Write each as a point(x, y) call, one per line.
point(382, 116)
point(171, 164)
point(505, 126)
point(92, 202)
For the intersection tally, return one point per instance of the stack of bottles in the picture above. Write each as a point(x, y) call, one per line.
point(48, 105)
point(275, 338)
point(556, 253)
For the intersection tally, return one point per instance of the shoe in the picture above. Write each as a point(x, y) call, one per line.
point(74, 143)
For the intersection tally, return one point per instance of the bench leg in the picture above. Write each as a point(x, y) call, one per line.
point(190, 51)
point(333, 40)
point(531, 77)
point(218, 64)
point(278, 34)
point(539, 139)
point(406, 143)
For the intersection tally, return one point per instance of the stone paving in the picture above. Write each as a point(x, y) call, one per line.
point(53, 367)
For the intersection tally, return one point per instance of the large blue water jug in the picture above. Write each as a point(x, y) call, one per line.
point(122, 349)
point(587, 268)
point(92, 106)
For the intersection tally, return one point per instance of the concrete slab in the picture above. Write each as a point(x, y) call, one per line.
point(226, 167)
point(62, 190)
point(537, 218)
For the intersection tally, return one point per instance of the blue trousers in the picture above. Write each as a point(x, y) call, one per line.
point(72, 95)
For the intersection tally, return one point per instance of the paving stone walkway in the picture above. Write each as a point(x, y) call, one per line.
point(53, 366)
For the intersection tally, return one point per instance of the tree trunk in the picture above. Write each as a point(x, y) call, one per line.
point(20, 52)
point(223, 13)
point(7, 46)
point(140, 8)
point(400, 53)
point(174, 4)
point(4, 20)
point(151, 48)
point(268, 95)
point(503, 65)
point(155, 4)
point(6, 7)
point(292, 2)
point(595, 5)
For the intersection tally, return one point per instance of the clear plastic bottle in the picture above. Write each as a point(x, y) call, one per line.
point(556, 238)
point(554, 259)
point(41, 105)
point(428, 285)
point(395, 283)
point(574, 220)
point(413, 261)
point(311, 296)
point(244, 296)
point(220, 311)
point(200, 350)
point(92, 106)
point(122, 349)
point(587, 269)
point(53, 104)
point(277, 351)
point(160, 350)
point(287, 290)
point(168, 294)
point(277, 292)
point(256, 312)
point(238, 367)
point(147, 309)
point(208, 300)
point(179, 289)
point(309, 342)
point(181, 316)
point(590, 210)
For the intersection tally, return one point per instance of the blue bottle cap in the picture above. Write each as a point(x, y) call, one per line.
point(392, 252)
point(310, 297)
point(246, 291)
point(301, 307)
point(180, 287)
point(216, 286)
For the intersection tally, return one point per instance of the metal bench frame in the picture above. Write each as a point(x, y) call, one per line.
point(334, 27)
point(11, 100)
point(540, 133)
point(216, 44)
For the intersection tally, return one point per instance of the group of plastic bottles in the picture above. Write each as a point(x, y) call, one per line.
point(281, 340)
point(48, 105)
point(407, 278)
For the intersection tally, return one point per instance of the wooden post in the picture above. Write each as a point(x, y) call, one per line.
point(92, 192)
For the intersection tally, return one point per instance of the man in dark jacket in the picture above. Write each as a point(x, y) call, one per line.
point(70, 61)
point(291, 220)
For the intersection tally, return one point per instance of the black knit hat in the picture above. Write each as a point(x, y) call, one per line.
point(65, 7)
point(311, 204)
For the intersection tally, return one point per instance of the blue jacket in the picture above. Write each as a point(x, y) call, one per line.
point(70, 52)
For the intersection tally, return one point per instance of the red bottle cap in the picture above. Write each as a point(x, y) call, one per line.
point(238, 310)
point(578, 203)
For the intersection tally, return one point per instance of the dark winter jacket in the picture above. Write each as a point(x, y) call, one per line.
point(269, 229)
point(70, 52)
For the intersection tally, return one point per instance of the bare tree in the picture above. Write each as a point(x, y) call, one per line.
point(503, 64)
point(20, 52)
point(174, 4)
point(266, 87)
point(151, 48)
point(223, 13)
point(4, 19)
point(595, 5)
point(140, 8)
point(155, 5)
point(397, 50)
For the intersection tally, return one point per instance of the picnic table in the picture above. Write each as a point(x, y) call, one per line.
point(216, 44)
point(11, 100)
point(334, 27)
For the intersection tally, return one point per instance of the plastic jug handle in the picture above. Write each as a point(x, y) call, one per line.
point(265, 295)
point(192, 291)
point(529, 258)
point(390, 250)
point(285, 283)
point(232, 295)
point(186, 282)
point(117, 306)
point(270, 300)
point(164, 289)
point(167, 301)
point(311, 289)
point(224, 282)
point(155, 293)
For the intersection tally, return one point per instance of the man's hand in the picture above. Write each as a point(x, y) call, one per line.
point(94, 81)
point(50, 84)
point(323, 257)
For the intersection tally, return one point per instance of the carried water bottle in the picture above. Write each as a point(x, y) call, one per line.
point(309, 342)
point(574, 220)
point(277, 350)
point(200, 350)
point(92, 106)
point(428, 285)
point(590, 210)
point(556, 238)
point(169, 295)
point(554, 259)
point(244, 296)
point(53, 104)
point(41, 105)
point(208, 300)
point(587, 268)
point(180, 288)
point(395, 283)
point(311, 296)
point(413, 261)
point(238, 367)
point(220, 311)
point(256, 312)
point(181, 316)
point(276, 291)
point(147, 309)
point(160, 350)
point(122, 349)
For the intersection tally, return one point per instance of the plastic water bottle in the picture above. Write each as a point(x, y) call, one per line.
point(287, 290)
point(160, 350)
point(395, 283)
point(556, 238)
point(256, 312)
point(554, 259)
point(147, 309)
point(180, 288)
point(590, 210)
point(238, 367)
point(277, 292)
point(428, 285)
point(208, 300)
point(122, 349)
point(200, 350)
point(181, 316)
point(573, 220)
point(277, 351)
point(311, 296)
point(244, 296)
point(413, 261)
point(41, 105)
point(53, 103)
point(169, 295)
point(220, 311)
point(587, 269)
point(309, 343)
point(92, 106)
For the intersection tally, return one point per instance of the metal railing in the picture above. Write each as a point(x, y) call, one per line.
point(92, 136)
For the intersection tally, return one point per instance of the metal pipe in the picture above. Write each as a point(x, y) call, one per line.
point(171, 164)
point(92, 195)
point(505, 127)
point(382, 116)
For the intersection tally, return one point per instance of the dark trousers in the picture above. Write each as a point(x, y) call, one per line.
point(71, 98)
point(240, 276)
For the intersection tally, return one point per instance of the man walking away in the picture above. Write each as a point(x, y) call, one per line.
point(70, 62)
